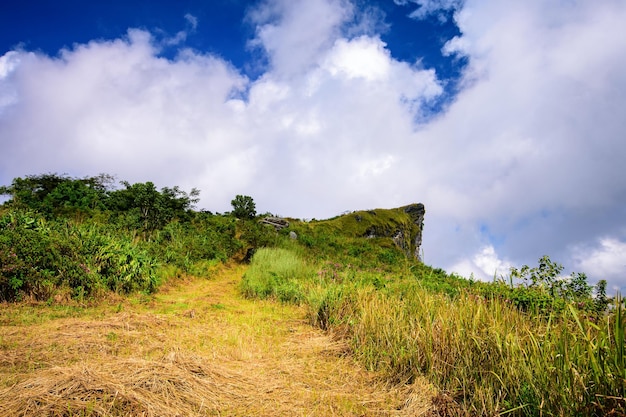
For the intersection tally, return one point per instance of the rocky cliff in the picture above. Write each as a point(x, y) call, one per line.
point(403, 225)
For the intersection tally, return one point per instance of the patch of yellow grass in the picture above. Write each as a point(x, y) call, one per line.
point(198, 349)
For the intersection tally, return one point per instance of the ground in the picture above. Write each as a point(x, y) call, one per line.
point(194, 349)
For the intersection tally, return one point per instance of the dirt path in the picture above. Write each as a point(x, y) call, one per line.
point(197, 349)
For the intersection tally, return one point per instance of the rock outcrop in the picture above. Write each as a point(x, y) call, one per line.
point(277, 223)
point(403, 226)
point(405, 231)
point(416, 212)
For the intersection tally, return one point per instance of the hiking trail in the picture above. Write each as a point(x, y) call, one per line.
point(194, 349)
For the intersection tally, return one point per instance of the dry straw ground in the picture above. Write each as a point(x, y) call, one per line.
point(197, 349)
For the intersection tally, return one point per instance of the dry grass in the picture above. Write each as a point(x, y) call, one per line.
point(177, 385)
point(196, 350)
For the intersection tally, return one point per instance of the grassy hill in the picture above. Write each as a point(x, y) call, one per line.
point(539, 346)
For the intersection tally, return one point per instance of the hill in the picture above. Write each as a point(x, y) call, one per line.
point(403, 225)
point(534, 344)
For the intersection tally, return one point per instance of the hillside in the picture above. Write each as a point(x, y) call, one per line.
point(403, 226)
point(111, 305)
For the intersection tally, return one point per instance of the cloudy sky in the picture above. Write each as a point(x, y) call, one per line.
point(506, 118)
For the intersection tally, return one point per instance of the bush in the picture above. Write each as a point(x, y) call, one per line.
point(38, 257)
point(124, 268)
point(28, 257)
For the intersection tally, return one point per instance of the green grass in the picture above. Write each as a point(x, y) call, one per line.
point(494, 348)
point(276, 273)
point(484, 352)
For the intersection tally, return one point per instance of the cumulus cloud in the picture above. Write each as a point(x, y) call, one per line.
point(607, 258)
point(536, 132)
point(196, 121)
point(117, 107)
point(524, 161)
point(280, 31)
point(484, 265)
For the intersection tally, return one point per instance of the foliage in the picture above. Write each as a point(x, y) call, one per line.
point(544, 347)
point(543, 289)
point(243, 207)
point(256, 235)
point(124, 268)
point(206, 237)
point(38, 257)
point(80, 236)
point(147, 208)
point(139, 205)
point(53, 194)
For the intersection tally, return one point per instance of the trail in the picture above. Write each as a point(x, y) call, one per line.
point(192, 350)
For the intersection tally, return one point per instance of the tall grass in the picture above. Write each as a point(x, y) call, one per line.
point(276, 273)
point(488, 355)
point(493, 358)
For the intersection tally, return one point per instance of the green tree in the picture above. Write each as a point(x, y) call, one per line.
point(243, 207)
point(577, 287)
point(54, 194)
point(152, 209)
point(544, 276)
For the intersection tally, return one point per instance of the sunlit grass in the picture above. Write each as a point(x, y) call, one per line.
point(198, 346)
point(485, 354)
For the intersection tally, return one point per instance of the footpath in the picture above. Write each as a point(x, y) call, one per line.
point(197, 349)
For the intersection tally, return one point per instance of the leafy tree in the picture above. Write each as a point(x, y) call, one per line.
point(31, 190)
point(543, 286)
point(55, 194)
point(577, 287)
point(545, 275)
point(151, 208)
point(243, 207)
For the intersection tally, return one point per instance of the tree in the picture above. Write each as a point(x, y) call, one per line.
point(243, 207)
point(55, 194)
point(153, 209)
point(544, 276)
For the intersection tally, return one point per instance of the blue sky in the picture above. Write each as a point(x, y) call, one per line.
point(505, 118)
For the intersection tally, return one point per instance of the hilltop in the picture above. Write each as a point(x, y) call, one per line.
point(403, 225)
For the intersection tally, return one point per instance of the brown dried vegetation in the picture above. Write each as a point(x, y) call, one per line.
point(194, 350)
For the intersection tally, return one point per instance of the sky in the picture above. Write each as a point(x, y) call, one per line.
point(506, 119)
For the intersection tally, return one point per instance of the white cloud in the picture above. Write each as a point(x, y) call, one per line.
point(605, 259)
point(526, 160)
point(8, 63)
point(192, 20)
point(295, 33)
point(533, 143)
point(360, 58)
point(484, 265)
point(429, 7)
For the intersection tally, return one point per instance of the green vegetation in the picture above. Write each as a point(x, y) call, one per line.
point(542, 346)
point(63, 237)
point(243, 207)
point(533, 343)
